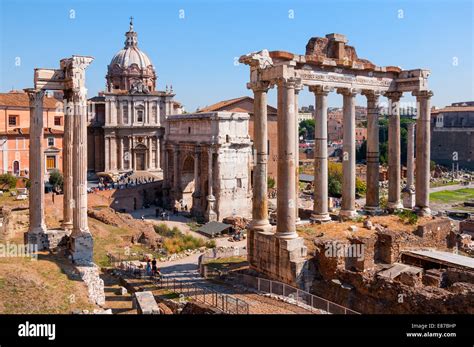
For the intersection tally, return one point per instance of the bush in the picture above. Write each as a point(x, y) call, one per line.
point(163, 230)
point(8, 180)
point(211, 244)
point(56, 179)
point(270, 182)
point(175, 241)
point(408, 216)
point(361, 186)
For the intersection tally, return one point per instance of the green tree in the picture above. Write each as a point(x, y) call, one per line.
point(56, 179)
point(306, 128)
point(9, 180)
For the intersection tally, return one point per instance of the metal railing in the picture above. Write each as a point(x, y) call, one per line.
point(294, 295)
point(223, 302)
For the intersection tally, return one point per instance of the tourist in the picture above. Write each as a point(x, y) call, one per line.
point(153, 267)
point(148, 267)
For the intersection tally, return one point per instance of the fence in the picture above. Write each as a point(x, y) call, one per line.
point(297, 296)
point(223, 302)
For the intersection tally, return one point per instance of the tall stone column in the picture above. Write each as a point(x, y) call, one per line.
point(260, 134)
point(68, 201)
point(409, 190)
point(423, 141)
point(107, 152)
point(298, 88)
point(81, 242)
point(121, 158)
point(348, 209)
point(211, 200)
point(150, 153)
point(197, 181)
point(372, 204)
point(37, 226)
point(320, 208)
point(286, 192)
point(394, 153)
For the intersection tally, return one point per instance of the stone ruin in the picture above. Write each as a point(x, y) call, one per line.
point(328, 65)
point(69, 78)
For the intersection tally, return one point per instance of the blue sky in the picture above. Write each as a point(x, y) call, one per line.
point(197, 54)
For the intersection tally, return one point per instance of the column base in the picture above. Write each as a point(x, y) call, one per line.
point(262, 225)
point(348, 214)
point(422, 211)
point(373, 210)
point(394, 205)
point(286, 235)
point(320, 218)
point(81, 247)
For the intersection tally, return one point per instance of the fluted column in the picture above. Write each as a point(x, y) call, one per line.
point(81, 242)
point(121, 158)
point(348, 156)
point(320, 206)
point(176, 171)
point(37, 225)
point(423, 141)
point(260, 174)
point(211, 200)
point(68, 201)
point(372, 204)
point(394, 153)
point(197, 180)
point(286, 192)
point(150, 153)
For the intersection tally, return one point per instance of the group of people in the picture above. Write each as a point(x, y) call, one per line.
point(151, 268)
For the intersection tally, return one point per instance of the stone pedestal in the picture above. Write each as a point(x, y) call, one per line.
point(278, 258)
point(211, 215)
point(81, 247)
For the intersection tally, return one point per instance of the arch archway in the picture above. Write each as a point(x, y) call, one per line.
point(187, 181)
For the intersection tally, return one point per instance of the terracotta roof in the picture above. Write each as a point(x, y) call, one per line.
point(453, 109)
point(26, 131)
point(20, 99)
point(226, 105)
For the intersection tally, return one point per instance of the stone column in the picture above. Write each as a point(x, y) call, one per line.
point(394, 154)
point(37, 226)
point(409, 190)
point(120, 159)
point(423, 141)
point(197, 180)
point(286, 192)
point(175, 188)
point(348, 156)
point(298, 88)
point(211, 200)
point(372, 204)
point(81, 242)
point(113, 153)
point(320, 207)
point(150, 153)
point(107, 153)
point(260, 134)
point(68, 201)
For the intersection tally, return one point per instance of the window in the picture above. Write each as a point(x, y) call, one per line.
point(140, 116)
point(50, 141)
point(13, 120)
point(57, 121)
point(50, 162)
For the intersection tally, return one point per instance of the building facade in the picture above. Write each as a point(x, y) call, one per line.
point(207, 164)
point(452, 140)
point(15, 133)
point(126, 121)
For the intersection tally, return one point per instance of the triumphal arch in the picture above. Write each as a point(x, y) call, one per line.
point(328, 65)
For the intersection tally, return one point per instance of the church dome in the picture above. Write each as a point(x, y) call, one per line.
point(130, 67)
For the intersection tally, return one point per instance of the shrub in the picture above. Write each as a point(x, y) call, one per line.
point(56, 179)
point(270, 182)
point(175, 241)
point(9, 180)
point(408, 216)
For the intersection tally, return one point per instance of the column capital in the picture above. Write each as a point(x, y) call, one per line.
point(321, 90)
point(422, 94)
point(289, 82)
point(259, 86)
point(348, 91)
point(34, 95)
point(372, 95)
point(393, 96)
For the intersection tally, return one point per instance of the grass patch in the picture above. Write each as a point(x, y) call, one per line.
point(451, 196)
point(407, 217)
point(227, 263)
point(175, 241)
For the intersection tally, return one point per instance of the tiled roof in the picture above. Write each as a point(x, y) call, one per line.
point(20, 99)
point(226, 105)
point(453, 109)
